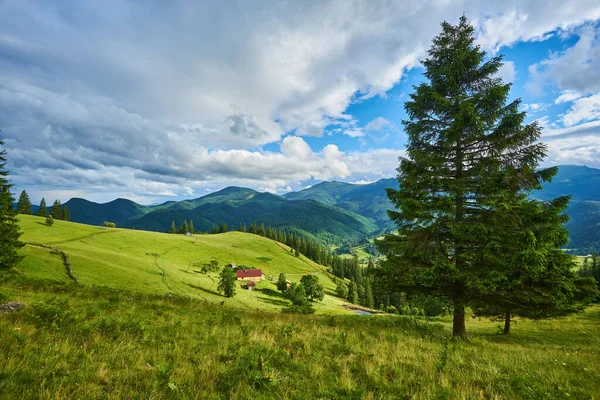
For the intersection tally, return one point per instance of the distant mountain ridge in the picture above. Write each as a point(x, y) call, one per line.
point(329, 211)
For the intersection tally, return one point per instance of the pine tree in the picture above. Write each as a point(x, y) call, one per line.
point(297, 294)
point(49, 220)
point(369, 301)
point(192, 231)
point(223, 227)
point(282, 283)
point(185, 228)
point(66, 214)
point(471, 155)
point(9, 228)
point(56, 210)
point(24, 204)
point(353, 293)
point(42, 211)
point(227, 282)
point(341, 290)
point(173, 227)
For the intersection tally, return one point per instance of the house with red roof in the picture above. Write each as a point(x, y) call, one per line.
point(255, 275)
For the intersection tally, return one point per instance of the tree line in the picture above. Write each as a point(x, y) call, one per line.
point(58, 211)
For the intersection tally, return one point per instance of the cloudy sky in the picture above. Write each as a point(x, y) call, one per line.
point(160, 100)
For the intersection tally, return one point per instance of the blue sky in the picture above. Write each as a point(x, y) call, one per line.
point(155, 102)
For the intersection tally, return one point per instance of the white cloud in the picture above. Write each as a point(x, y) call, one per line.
point(583, 110)
point(534, 107)
point(168, 98)
point(567, 96)
point(379, 124)
point(507, 72)
point(576, 70)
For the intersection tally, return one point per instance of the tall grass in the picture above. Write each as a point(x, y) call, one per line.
point(78, 342)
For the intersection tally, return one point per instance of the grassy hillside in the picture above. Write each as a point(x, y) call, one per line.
point(157, 263)
point(87, 343)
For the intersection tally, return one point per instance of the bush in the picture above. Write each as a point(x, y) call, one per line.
point(49, 220)
point(297, 294)
point(110, 224)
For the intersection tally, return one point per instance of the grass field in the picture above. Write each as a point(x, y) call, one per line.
point(158, 263)
point(79, 342)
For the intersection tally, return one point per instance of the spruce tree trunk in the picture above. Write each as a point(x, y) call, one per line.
point(507, 323)
point(458, 325)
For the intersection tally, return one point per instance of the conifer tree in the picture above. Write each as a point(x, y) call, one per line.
point(24, 204)
point(369, 301)
point(352, 293)
point(192, 231)
point(42, 211)
point(227, 282)
point(185, 228)
point(341, 289)
point(56, 210)
point(470, 156)
point(66, 214)
point(173, 227)
point(9, 228)
point(49, 220)
point(282, 283)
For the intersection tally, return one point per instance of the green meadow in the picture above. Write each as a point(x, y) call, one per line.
point(142, 325)
point(158, 263)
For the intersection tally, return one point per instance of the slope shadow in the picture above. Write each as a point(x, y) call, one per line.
point(272, 297)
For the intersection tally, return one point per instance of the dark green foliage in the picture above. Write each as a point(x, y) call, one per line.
point(539, 280)
point(282, 283)
point(66, 214)
point(9, 227)
point(297, 295)
point(369, 301)
point(119, 211)
point(42, 211)
point(313, 289)
point(353, 293)
point(191, 228)
point(173, 227)
point(109, 224)
point(341, 290)
point(56, 210)
point(223, 228)
point(49, 220)
point(227, 282)
point(471, 159)
point(24, 204)
point(184, 228)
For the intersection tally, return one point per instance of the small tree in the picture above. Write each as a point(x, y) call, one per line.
point(173, 227)
point(56, 210)
point(282, 283)
point(9, 228)
point(227, 283)
point(24, 204)
point(223, 227)
point(192, 231)
point(109, 224)
point(49, 220)
point(313, 289)
point(297, 294)
point(341, 290)
point(43, 210)
point(297, 252)
point(185, 228)
point(369, 301)
point(66, 214)
point(353, 293)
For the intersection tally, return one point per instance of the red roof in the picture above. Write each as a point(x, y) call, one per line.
point(251, 283)
point(249, 273)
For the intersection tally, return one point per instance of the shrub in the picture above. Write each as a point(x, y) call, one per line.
point(109, 224)
point(49, 220)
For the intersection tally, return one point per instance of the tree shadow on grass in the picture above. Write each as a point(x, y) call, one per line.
point(203, 289)
point(272, 297)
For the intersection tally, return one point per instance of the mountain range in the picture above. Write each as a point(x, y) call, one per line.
point(331, 212)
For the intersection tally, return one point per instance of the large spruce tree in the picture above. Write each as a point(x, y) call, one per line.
point(24, 204)
point(9, 228)
point(470, 155)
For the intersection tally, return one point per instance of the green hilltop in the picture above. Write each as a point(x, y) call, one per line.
point(159, 264)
